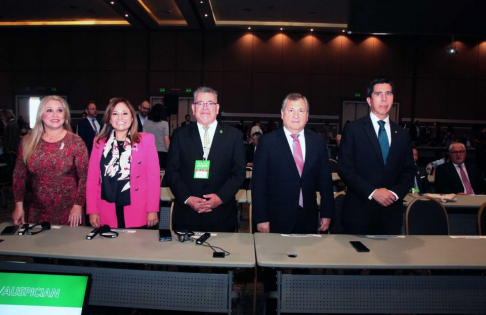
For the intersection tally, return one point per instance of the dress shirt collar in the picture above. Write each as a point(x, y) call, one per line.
point(375, 119)
point(290, 141)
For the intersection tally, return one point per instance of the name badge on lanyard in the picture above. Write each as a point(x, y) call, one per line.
point(201, 169)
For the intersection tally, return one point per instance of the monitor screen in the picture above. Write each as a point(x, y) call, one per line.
point(43, 293)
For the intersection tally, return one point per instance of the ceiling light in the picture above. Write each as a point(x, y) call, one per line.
point(112, 2)
point(202, 2)
point(344, 31)
point(281, 28)
point(452, 50)
point(126, 15)
point(205, 15)
point(312, 30)
point(249, 28)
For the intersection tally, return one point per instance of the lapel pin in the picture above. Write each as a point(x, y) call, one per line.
point(221, 131)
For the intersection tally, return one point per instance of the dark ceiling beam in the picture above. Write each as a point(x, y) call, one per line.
point(122, 9)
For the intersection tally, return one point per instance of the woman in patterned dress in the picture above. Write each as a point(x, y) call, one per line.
point(124, 174)
point(56, 161)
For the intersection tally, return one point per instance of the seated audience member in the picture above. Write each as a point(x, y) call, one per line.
point(335, 150)
point(250, 150)
point(11, 135)
point(187, 121)
point(256, 128)
point(56, 161)
point(124, 172)
point(458, 177)
point(421, 182)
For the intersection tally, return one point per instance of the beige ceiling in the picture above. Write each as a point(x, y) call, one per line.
point(193, 14)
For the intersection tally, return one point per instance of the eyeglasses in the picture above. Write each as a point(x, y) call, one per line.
point(201, 103)
point(457, 152)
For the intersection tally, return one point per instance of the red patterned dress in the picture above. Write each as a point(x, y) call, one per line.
point(58, 173)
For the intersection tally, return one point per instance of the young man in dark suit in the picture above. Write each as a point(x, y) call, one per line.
point(205, 169)
point(91, 126)
point(289, 166)
point(458, 177)
point(376, 164)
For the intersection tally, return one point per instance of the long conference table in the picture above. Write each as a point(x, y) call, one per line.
point(372, 294)
point(212, 292)
point(115, 286)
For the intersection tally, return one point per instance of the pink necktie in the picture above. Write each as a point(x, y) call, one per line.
point(465, 181)
point(299, 161)
point(94, 126)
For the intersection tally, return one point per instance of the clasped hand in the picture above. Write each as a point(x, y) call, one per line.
point(201, 205)
point(384, 197)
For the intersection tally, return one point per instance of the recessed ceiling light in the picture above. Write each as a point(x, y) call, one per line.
point(126, 15)
point(202, 2)
point(281, 28)
point(312, 30)
point(205, 15)
point(344, 31)
point(249, 28)
point(112, 2)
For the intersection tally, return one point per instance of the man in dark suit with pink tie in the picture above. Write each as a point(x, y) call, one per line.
point(289, 166)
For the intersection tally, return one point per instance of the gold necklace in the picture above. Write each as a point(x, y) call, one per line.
point(54, 138)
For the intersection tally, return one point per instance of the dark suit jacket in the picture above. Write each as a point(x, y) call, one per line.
point(422, 180)
point(362, 169)
point(250, 153)
point(448, 181)
point(139, 126)
point(276, 182)
point(86, 132)
point(226, 174)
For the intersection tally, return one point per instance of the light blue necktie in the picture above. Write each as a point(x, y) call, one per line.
point(383, 139)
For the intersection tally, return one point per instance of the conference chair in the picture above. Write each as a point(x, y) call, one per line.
point(333, 166)
point(426, 217)
point(482, 219)
point(336, 226)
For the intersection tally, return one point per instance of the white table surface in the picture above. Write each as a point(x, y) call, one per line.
point(335, 251)
point(143, 246)
point(463, 201)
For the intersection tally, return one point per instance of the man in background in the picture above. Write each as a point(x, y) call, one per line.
point(142, 115)
point(458, 177)
point(90, 127)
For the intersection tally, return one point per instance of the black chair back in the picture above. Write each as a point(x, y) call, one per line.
point(333, 166)
point(336, 226)
point(426, 217)
point(482, 219)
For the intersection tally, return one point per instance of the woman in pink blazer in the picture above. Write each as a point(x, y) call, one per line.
point(124, 174)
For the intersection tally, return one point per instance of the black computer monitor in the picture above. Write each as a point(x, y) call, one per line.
point(43, 293)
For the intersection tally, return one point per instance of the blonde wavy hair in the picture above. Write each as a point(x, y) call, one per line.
point(30, 145)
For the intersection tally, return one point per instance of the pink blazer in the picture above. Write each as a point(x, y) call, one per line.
point(144, 185)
